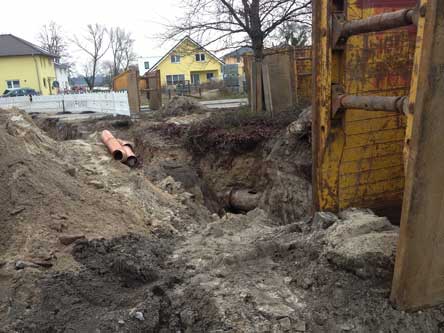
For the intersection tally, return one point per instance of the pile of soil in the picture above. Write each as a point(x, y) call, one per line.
point(182, 105)
point(53, 193)
point(89, 245)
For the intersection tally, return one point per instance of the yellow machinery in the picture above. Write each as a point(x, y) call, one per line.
point(365, 52)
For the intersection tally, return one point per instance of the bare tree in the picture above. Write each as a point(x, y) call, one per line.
point(293, 34)
point(51, 39)
point(232, 23)
point(108, 71)
point(95, 44)
point(122, 49)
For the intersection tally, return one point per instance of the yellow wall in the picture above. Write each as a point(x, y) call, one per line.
point(188, 63)
point(233, 61)
point(30, 70)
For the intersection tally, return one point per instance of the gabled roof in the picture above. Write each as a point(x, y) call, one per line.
point(239, 52)
point(11, 45)
point(200, 47)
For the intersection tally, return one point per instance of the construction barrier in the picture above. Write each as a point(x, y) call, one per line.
point(378, 123)
point(419, 268)
point(286, 76)
point(112, 103)
point(361, 73)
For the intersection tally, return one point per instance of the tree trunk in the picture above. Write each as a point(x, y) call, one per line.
point(257, 103)
point(93, 76)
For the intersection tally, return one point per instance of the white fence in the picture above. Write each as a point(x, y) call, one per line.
point(112, 102)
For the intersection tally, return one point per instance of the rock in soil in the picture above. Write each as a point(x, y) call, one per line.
point(69, 239)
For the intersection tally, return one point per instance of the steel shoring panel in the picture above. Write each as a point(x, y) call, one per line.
point(350, 150)
point(419, 269)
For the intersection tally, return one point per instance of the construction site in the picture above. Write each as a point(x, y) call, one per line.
point(316, 207)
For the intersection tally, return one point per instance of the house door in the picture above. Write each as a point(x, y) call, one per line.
point(195, 78)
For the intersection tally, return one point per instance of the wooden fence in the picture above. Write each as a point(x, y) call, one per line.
point(286, 78)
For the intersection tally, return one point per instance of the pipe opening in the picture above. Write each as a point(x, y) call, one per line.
point(118, 155)
point(131, 161)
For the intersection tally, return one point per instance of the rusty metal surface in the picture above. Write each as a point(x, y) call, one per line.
point(419, 269)
point(381, 22)
point(358, 157)
point(373, 103)
point(303, 58)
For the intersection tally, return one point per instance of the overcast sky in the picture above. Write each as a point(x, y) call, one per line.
point(143, 18)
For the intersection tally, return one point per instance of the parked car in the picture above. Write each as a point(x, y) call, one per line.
point(19, 92)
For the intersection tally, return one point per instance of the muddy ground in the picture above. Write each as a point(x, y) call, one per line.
point(89, 245)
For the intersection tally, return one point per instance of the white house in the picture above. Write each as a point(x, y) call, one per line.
point(62, 74)
point(145, 63)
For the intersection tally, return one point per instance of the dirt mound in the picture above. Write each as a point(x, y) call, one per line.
point(109, 294)
point(182, 105)
point(51, 191)
point(43, 196)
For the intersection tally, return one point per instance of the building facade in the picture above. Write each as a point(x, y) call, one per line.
point(146, 63)
point(62, 77)
point(25, 65)
point(189, 62)
point(236, 58)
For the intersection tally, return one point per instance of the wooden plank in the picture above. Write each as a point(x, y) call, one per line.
point(268, 97)
point(155, 91)
point(419, 270)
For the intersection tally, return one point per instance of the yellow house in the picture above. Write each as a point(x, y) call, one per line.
point(25, 65)
point(186, 62)
point(236, 58)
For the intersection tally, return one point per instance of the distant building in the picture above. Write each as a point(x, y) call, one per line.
point(145, 63)
point(62, 76)
point(79, 83)
point(25, 65)
point(236, 57)
point(188, 61)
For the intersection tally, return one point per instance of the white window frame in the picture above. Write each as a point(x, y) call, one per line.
point(10, 84)
point(176, 58)
point(175, 79)
point(146, 64)
point(200, 57)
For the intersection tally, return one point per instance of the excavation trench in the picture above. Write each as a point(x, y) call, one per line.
point(227, 169)
point(91, 245)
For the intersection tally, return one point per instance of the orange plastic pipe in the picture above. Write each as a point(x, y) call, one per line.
point(130, 157)
point(126, 143)
point(113, 145)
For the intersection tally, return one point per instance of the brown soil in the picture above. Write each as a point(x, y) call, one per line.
point(155, 257)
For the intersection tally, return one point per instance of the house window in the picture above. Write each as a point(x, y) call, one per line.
point(200, 56)
point(44, 82)
point(11, 84)
point(238, 59)
point(146, 64)
point(175, 79)
point(175, 59)
point(210, 76)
